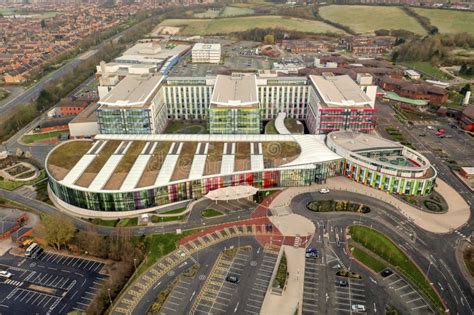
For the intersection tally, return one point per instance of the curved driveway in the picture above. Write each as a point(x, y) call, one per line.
point(423, 247)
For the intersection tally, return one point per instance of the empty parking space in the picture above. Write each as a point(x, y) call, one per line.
point(262, 280)
point(311, 287)
point(181, 289)
point(41, 302)
point(350, 294)
point(216, 293)
point(414, 301)
point(74, 262)
point(41, 287)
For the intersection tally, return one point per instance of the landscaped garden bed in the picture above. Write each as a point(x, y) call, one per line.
point(337, 205)
point(282, 273)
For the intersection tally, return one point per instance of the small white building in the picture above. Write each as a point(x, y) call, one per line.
point(412, 74)
point(206, 53)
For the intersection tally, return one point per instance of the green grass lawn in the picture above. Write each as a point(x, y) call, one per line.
point(379, 244)
point(426, 69)
point(368, 260)
point(104, 222)
point(128, 222)
point(270, 128)
point(53, 135)
point(229, 25)
point(181, 127)
point(449, 21)
point(367, 19)
point(293, 125)
point(180, 210)
point(4, 94)
point(210, 213)
point(12, 185)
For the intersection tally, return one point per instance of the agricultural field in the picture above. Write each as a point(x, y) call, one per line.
point(229, 25)
point(235, 11)
point(209, 14)
point(449, 21)
point(367, 19)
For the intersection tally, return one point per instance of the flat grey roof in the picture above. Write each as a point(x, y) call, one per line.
point(133, 90)
point(355, 141)
point(235, 90)
point(339, 90)
point(89, 114)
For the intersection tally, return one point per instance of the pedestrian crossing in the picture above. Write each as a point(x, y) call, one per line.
point(14, 282)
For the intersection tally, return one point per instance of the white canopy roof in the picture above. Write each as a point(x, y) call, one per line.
point(232, 193)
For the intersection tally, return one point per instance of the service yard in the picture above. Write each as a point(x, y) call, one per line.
point(48, 284)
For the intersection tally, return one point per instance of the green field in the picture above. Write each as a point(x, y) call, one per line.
point(366, 19)
point(449, 21)
point(426, 69)
point(209, 14)
point(229, 25)
point(382, 246)
point(234, 11)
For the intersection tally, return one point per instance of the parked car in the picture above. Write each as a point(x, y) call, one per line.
point(311, 250)
point(358, 308)
point(324, 191)
point(430, 127)
point(232, 279)
point(342, 283)
point(311, 255)
point(5, 274)
point(422, 135)
point(386, 272)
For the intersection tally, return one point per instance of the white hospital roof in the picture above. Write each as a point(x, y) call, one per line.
point(133, 90)
point(235, 90)
point(339, 90)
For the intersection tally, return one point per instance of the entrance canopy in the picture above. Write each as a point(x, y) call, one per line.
point(232, 193)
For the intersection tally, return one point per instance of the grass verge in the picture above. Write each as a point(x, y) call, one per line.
point(210, 213)
point(382, 246)
point(53, 135)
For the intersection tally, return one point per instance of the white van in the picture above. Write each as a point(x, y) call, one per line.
point(358, 308)
point(30, 249)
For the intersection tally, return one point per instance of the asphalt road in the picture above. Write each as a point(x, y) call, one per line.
point(423, 247)
point(194, 221)
point(206, 259)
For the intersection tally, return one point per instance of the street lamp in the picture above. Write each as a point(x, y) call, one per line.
point(135, 263)
point(429, 267)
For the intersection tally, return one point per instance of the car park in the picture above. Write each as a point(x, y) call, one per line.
point(324, 191)
point(5, 274)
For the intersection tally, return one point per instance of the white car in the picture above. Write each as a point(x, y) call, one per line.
point(324, 191)
point(5, 274)
point(430, 127)
point(358, 308)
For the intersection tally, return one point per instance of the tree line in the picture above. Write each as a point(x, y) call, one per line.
point(121, 248)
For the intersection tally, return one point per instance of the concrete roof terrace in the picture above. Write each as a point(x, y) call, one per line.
point(133, 162)
point(238, 89)
point(133, 90)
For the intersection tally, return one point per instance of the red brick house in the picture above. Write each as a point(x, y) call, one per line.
point(467, 118)
point(420, 90)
